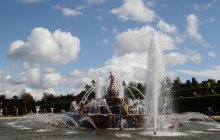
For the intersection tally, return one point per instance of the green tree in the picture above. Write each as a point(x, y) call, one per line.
point(2, 97)
point(212, 82)
point(218, 83)
point(140, 87)
point(27, 98)
point(134, 84)
point(194, 83)
point(48, 97)
point(188, 84)
point(15, 97)
point(177, 83)
point(93, 82)
point(204, 84)
point(87, 87)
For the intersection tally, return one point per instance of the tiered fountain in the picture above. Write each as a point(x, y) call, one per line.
point(113, 111)
point(110, 110)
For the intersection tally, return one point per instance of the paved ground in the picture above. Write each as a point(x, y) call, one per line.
point(9, 117)
point(216, 118)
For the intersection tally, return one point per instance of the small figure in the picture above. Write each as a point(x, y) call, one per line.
point(210, 112)
point(81, 108)
point(125, 108)
point(112, 79)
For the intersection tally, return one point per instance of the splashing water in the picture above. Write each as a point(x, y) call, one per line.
point(99, 88)
point(155, 75)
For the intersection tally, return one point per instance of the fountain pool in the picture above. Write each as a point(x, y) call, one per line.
point(34, 128)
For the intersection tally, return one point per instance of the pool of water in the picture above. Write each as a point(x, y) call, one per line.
point(10, 129)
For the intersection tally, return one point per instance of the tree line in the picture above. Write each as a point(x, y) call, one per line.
point(26, 103)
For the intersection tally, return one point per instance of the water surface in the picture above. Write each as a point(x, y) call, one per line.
point(10, 130)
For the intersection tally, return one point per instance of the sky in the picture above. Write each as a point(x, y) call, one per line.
point(60, 45)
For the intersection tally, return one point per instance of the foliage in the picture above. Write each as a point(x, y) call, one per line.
point(197, 104)
point(2, 97)
point(27, 98)
point(190, 95)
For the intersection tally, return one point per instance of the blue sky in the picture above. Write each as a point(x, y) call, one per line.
point(59, 45)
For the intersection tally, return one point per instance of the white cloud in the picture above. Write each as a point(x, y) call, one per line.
point(205, 6)
point(150, 3)
point(31, 80)
point(139, 39)
point(96, 1)
point(4, 76)
point(126, 68)
point(194, 56)
point(210, 19)
point(76, 11)
point(9, 90)
point(51, 80)
point(6, 87)
point(162, 25)
point(196, 6)
point(34, 78)
point(43, 46)
point(134, 10)
point(104, 42)
point(174, 58)
point(68, 11)
point(211, 54)
point(104, 29)
point(130, 60)
point(115, 31)
point(99, 18)
point(76, 73)
point(192, 30)
point(32, 1)
point(213, 73)
point(208, 5)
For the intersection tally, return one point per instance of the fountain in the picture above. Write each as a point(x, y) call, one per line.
point(155, 75)
point(1, 110)
point(112, 110)
point(109, 110)
point(52, 109)
point(37, 109)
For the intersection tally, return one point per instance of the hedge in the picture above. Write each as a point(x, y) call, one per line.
point(197, 104)
point(199, 91)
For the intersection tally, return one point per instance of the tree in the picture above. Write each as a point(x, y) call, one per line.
point(204, 83)
point(177, 83)
point(194, 83)
point(15, 97)
point(218, 83)
point(27, 98)
point(212, 82)
point(2, 97)
point(134, 84)
point(48, 97)
point(140, 87)
point(93, 82)
point(87, 87)
point(188, 84)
